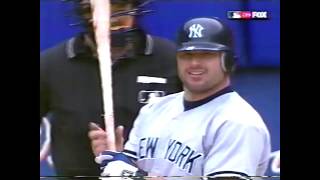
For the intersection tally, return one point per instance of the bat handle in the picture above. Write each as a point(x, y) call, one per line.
point(109, 127)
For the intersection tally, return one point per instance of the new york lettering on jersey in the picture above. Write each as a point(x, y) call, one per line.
point(176, 152)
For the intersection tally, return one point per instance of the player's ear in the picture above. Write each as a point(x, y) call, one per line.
point(227, 62)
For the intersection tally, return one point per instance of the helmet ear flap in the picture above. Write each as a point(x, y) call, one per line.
point(227, 62)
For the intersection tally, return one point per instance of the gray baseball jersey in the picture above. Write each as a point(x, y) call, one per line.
point(222, 137)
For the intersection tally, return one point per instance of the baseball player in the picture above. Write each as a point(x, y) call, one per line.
point(206, 130)
point(70, 88)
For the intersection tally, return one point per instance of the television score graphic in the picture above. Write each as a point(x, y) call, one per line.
point(246, 15)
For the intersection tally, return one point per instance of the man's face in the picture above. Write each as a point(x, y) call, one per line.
point(121, 22)
point(116, 22)
point(200, 71)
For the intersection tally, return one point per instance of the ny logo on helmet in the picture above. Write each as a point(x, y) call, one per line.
point(195, 31)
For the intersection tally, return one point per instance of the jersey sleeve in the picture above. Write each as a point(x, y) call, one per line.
point(237, 150)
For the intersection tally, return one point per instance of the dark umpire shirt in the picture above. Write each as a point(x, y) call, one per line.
point(70, 92)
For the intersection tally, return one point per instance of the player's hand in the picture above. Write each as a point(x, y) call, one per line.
point(118, 164)
point(98, 138)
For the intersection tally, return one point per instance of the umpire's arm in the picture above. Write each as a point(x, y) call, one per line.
point(44, 90)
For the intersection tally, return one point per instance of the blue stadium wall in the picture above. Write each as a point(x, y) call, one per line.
point(257, 44)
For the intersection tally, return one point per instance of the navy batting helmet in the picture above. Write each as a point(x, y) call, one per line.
point(207, 34)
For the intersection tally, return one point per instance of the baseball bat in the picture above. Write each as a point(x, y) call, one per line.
point(101, 13)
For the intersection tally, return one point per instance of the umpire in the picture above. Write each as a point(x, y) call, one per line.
point(143, 66)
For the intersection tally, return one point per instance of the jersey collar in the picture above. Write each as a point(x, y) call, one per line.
point(193, 104)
